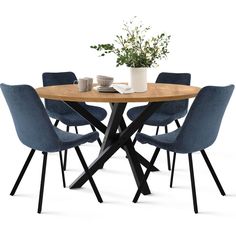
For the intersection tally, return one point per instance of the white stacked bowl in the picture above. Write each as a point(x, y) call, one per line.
point(104, 81)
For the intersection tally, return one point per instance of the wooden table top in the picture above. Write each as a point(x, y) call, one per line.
point(156, 92)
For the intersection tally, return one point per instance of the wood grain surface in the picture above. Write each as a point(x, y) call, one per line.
point(156, 92)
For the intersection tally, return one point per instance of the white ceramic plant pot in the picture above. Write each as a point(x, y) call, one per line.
point(138, 79)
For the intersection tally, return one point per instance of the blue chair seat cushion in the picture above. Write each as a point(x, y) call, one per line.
point(162, 141)
point(73, 118)
point(69, 140)
point(171, 142)
point(157, 118)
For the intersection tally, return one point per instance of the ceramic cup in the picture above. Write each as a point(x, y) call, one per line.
point(89, 83)
point(84, 84)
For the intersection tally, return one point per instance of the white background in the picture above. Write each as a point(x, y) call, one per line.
point(46, 35)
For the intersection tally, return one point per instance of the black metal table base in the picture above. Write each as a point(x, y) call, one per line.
point(113, 140)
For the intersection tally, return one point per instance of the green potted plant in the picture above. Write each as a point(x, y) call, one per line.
point(136, 51)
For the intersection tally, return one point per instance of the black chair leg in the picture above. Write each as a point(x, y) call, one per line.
point(95, 189)
point(213, 172)
point(157, 130)
point(192, 183)
point(156, 150)
point(167, 152)
point(177, 123)
point(136, 197)
point(65, 160)
point(65, 154)
point(42, 183)
point(22, 172)
point(56, 123)
point(138, 131)
point(76, 130)
point(99, 140)
point(62, 170)
point(172, 170)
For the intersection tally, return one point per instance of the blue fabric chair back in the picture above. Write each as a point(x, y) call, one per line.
point(58, 78)
point(202, 123)
point(31, 121)
point(174, 78)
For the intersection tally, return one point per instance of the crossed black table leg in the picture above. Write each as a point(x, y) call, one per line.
point(113, 141)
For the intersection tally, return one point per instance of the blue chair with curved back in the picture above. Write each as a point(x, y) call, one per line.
point(36, 131)
point(199, 131)
point(62, 112)
point(169, 111)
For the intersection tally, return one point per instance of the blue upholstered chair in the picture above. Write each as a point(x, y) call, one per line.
point(62, 112)
point(199, 131)
point(168, 112)
point(35, 130)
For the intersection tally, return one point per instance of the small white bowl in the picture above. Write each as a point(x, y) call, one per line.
point(104, 81)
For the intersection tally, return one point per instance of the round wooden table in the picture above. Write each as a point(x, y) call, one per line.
point(156, 94)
